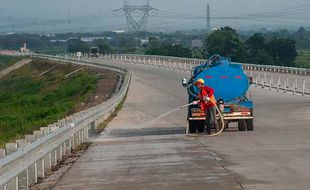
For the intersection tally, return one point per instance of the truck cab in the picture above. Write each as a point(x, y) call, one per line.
point(94, 52)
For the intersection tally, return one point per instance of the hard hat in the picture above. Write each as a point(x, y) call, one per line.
point(200, 80)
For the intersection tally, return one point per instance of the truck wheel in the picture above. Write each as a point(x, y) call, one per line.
point(249, 124)
point(241, 125)
point(192, 126)
point(200, 126)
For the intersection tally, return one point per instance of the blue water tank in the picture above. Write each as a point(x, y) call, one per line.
point(227, 79)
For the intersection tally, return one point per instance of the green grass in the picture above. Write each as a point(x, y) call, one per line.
point(303, 58)
point(29, 101)
point(6, 61)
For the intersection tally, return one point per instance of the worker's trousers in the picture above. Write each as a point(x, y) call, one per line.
point(211, 119)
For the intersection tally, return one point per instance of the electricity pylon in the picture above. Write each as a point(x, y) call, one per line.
point(136, 16)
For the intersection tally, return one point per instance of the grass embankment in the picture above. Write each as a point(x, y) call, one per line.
point(29, 101)
point(303, 58)
point(7, 60)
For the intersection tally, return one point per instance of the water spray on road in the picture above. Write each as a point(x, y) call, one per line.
point(185, 106)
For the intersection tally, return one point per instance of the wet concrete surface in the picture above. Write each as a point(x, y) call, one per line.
point(139, 154)
point(149, 162)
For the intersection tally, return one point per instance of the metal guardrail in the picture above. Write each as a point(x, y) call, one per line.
point(191, 61)
point(185, 65)
point(22, 167)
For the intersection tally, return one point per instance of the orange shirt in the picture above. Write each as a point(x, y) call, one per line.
point(206, 91)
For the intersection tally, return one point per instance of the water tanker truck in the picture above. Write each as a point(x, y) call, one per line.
point(230, 85)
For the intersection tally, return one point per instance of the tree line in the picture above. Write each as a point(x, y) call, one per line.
point(268, 48)
point(256, 49)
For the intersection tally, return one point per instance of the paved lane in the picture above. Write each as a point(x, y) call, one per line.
point(137, 154)
point(275, 155)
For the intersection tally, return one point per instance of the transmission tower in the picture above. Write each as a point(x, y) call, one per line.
point(136, 16)
point(208, 19)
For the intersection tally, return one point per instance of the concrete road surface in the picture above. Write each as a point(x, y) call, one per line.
point(140, 153)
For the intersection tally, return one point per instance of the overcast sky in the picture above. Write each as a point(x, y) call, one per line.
point(164, 19)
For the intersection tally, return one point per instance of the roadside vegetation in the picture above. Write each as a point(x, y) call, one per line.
point(6, 61)
point(303, 58)
point(29, 101)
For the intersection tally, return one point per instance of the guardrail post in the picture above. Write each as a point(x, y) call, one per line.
point(40, 168)
point(64, 149)
point(59, 153)
point(12, 185)
point(265, 80)
point(92, 127)
point(45, 130)
point(68, 147)
point(54, 157)
point(279, 84)
point(37, 134)
point(85, 133)
point(294, 90)
point(23, 180)
point(10, 148)
point(30, 138)
point(21, 143)
point(48, 162)
point(303, 87)
point(2, 153)
point(270, 83)
point(78, 135)
point(285, 86)
point(82, 135)
point(32, 174)
point(76, 143)
point(287, 82)
point(72, 142)
point(256, 81)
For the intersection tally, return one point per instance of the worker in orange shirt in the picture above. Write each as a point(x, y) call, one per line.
point(207, 103)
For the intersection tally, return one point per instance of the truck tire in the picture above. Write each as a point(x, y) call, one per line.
point(241, 125)
point(200, 126)
point(249, 124)
point(192, 127)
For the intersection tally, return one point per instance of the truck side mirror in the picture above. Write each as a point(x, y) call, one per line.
point(184, 82)
point(250, 80)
